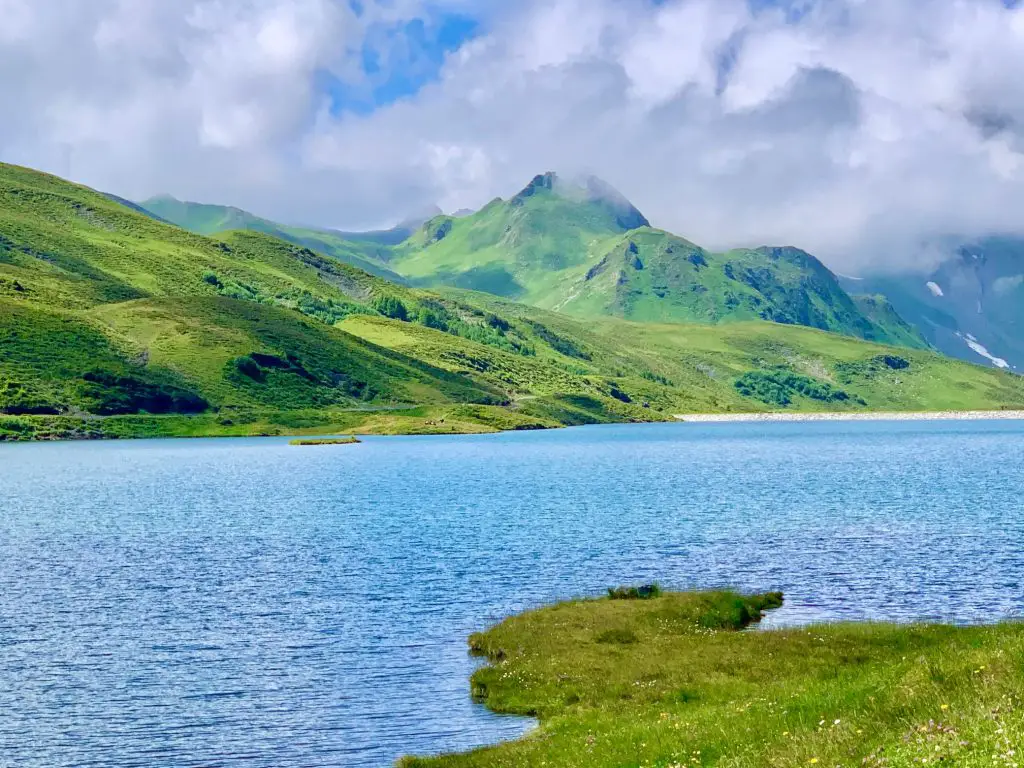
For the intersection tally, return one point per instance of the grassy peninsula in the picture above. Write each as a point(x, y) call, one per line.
point(673, 681)
point(325, 441)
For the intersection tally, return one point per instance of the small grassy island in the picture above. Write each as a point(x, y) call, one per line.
point(669, 679)
point(325, 441)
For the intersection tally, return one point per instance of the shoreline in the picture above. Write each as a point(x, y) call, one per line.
point(570, 663)
point(711, 418)
point(429, 420)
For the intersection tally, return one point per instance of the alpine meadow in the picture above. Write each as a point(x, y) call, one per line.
point(119, 324)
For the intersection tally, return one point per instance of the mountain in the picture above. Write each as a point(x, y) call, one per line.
point(880, 311)
point(135, 207)
point(970, 307)
point(583, 249)
point(113, 323)
point(396, 234)
point(519, 247)
point(362, 250)
point(650, 275)
point(580, 247)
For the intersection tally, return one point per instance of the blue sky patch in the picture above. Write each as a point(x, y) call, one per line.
point(399, 60)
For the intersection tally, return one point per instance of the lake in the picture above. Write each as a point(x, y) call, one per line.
point(250, 603)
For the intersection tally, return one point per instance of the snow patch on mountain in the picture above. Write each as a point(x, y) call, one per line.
point(978, 347)
point(935, 289)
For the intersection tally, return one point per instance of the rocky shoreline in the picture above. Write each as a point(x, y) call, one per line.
point(1007, 415)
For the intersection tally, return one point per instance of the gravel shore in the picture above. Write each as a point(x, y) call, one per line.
point(856, 416)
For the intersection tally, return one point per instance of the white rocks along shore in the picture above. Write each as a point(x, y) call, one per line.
point(855, 416)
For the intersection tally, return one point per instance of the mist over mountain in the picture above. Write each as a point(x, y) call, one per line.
point(116, 323)
point(970, 305)
point(853, 130)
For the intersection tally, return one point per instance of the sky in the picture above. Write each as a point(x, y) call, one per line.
point(860, 130)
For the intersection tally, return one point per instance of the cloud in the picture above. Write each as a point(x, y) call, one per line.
point(858, 129)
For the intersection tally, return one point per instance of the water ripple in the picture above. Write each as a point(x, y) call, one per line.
point(246, 603)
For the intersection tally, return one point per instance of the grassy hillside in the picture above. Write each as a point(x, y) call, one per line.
point(108, 312)
point(108, 315)
point(519, 247)
point(587, 252)
point(673, 681)
point(364, 251)
point(650, 275)
point(583, 249)
point(699, 368)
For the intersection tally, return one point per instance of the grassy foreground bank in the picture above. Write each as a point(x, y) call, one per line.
point(671, 681)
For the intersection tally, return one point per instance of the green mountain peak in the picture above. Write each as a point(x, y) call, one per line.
point(585, 190)
point(578, 245)
point(108, 317)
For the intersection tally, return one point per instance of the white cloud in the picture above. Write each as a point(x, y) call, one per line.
point(854, 128)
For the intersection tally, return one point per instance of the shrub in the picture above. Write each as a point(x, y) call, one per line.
point(20, 399)
point(559, 344)
point(618, 394)
point(849, 371)
point(894, 362)
point(498, 323)
point(249, 367)
point(778, 387)
point(657, 378)
point(432, 319)
point(391, 307)
point(109, 394)
point(644, 592)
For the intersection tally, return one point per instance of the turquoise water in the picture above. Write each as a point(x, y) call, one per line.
point(245, 602)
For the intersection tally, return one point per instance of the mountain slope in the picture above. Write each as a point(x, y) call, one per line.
point(107, 311)
point(362, 250)
point(650, 275)
point(115, 323)
point(970, 307)
point(880, 311)
point(517, 247)
point(585, 250)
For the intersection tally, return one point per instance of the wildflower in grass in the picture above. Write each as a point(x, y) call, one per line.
point(813, 760)
point(944, 707)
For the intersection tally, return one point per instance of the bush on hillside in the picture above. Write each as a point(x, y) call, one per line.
point(849, 371)
point(559, 344)
point(109, 394)
point(19, 399)
point(779, 387)
point(391, 307)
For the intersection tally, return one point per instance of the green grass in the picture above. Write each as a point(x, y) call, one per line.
point(106, 312)
point(206, 219)
point(244, 422)
point(589, 254)
point(515, 248)
point(326, 441)
point(576, 254)
point(673, 681)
